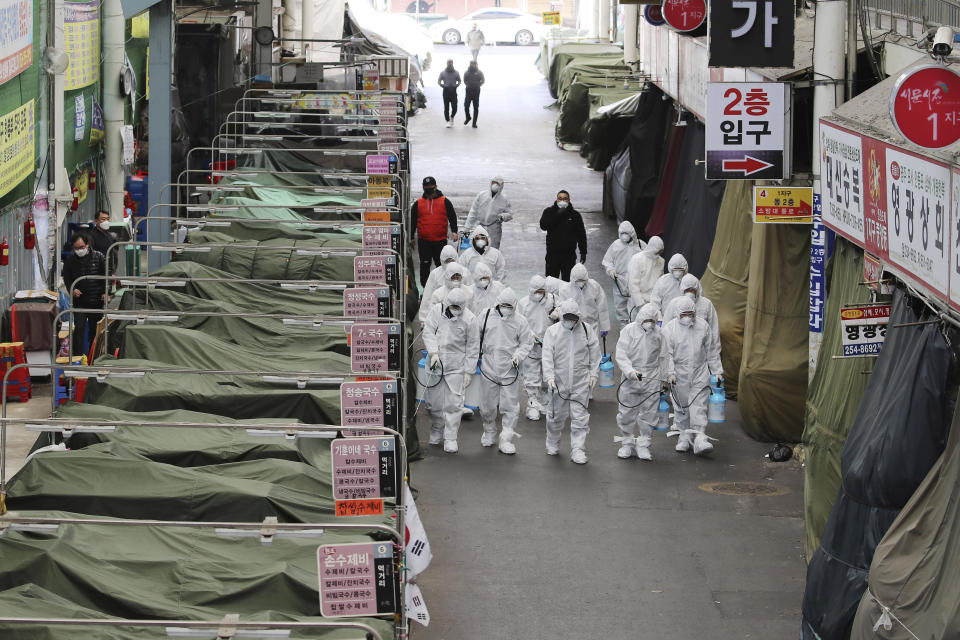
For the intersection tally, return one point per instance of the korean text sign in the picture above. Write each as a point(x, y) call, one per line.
point(81, 23)
point(356, 579)
point(17, 133)
point(863, 329)
point(369, 403)
point(364, 472)
point(374, 348)
point(752, 33)
point(16, 37)
point(747, 131)
point(841, 177)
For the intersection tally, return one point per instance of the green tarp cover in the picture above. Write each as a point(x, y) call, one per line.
point(108, 479)
point(266, 262)
point(725, 280)
point(596, 71)
point(773, 372)
point(292, 198)
point(188, 348)
point(261, 231)
point(244, 207)
point(582, 101)
point(142, 572)
point(563, 54)
point(307, 177)
point(834, 395)
point(268, 335)
point(597, 148)
point(231, 396)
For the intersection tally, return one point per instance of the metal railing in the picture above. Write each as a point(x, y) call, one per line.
point(929, 13)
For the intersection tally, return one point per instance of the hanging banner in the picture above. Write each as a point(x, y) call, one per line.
point(96, 123)
point(17, 157)
point(81, 24)
point(16, 37)
point(841, 174)
point(818, 268)
point(79, 118)
point(863, 329)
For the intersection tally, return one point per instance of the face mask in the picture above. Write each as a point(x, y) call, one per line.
point(480, 243)
point(625, 238)
point(569, 324)
point(429, 190)
point(562, 204)
point(539, 296)
point(455, 283)
point(506, 312)
point(690, 294)
point(648, 325)
point(678, 273)
point(104, 225)
point(454, 311)
point(483, 283)
point(686, 321)
point(81, 252)
point(581, 283)
point(495, 188)
point(450, 261)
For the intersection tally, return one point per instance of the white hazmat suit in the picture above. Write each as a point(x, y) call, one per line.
point(668, 285)
point(490, 209)
point(571, 356)
point(692, 355)
point(455, 276)
point(485, 288)
point(690, 284)
point(590, 299)
point(643, 271)
point(641, 356)
point(540, 309)
point(450, 336)
point(505, 341)
point(447, 255)
point(616, 262)
point(480, 249)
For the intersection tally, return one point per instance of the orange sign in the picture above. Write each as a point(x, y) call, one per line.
point(371, 507)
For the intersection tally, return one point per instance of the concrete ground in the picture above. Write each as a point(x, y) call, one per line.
point(532, 546)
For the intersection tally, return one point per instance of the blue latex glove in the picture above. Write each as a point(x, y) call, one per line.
point(603, 334)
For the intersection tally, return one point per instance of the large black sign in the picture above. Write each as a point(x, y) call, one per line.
point(751, 33)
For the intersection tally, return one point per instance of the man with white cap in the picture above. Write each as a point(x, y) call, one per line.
point(640, 356)
point(668, 285)
point(480, 249)
point(692, 356)
point(450, 337)
point(505, 341)
point(571, 356)
point(616, 262)
point(490, 209)
point(539, 307)
point(643, 271)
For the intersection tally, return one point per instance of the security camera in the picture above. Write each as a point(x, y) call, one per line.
point(943, 42)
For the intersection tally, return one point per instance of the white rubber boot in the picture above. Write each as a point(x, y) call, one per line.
point(643, 448)
point(579, 456)
point(702, 444)
point(450, 446)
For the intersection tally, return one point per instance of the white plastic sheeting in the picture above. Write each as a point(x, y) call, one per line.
point(327, 25)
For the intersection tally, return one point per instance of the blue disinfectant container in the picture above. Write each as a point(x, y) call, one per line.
point(464, 243)
point(663, 413)
point(421, 376)
point(605, 376)
point(471, 399)
point(717, 407)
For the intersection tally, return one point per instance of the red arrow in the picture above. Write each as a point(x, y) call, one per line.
point(805, 209)
point(749, 165)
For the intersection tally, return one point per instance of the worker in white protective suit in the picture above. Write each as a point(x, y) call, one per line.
point(690, 284)
point(539, 307)
point(450, 337)
point(644, 270)
point(692, 355)
point(480, 250)
point(616, 262)
point(485, 288)
point(490, 209)
point(454, 277)
point(668, 285)
point(571, 356)
point(590, 298)
point(505, 341)
point(447, 255)
point(641, 355)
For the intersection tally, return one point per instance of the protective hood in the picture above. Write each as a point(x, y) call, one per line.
point(498, 180)
point(507, 296)
point(452, 269)
point(686, 305)
point(482, 270)
point(479, 231)
point(537, 282)
point(648, 311)
point(448, 253)
point(579, 272)
point(568, 307)
point(677, 261)
point(626, 227)
point(655, 247)
point(690, 281)
point(455, 297)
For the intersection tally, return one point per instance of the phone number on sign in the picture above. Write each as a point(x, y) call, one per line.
point(862, 349)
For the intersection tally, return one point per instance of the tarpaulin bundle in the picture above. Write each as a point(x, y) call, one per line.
point(773, 370)
point(694, 205)
point(565, 53)
point(913, 591)
point(899, 432)
point(834, 395)
point(664, 188)
point(725, 280)
point(580, 101)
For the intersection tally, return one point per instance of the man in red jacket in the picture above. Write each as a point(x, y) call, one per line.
point(432, 221)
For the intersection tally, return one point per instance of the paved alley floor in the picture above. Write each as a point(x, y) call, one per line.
point(532, 546)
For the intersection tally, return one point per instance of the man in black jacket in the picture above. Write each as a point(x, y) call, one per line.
point(565, 234)
point(87, 293)
point(473, 79)
point(102, 238)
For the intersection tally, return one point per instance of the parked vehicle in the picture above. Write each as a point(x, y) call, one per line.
point(498, 24)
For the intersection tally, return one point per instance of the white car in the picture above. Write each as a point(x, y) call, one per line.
point(496, 23)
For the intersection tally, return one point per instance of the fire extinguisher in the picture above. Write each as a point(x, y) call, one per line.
point(93, 180)
point(4, 253)
point(29, 233)
point(76, 199)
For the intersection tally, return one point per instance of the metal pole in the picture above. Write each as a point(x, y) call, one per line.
point(113, 105)
point(161, 24)
point(851, 47)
